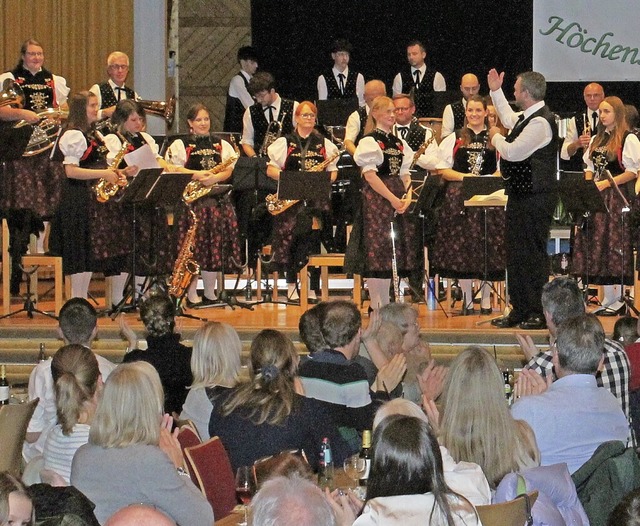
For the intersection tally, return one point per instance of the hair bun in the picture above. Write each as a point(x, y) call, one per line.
point(269, 372)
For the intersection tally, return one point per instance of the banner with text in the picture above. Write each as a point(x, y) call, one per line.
point(586, 40)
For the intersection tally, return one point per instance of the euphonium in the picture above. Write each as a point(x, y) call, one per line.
point(274, 130)
point(11, 94)
point(105, 190)
point(195, 189)
point(276, 206)
point(185, 267)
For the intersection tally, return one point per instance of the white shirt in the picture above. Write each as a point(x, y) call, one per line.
point(59, 449)
point(439, 83)
point(44, 417)
point(446, 152)
point(353, 125)
point(59, 83)
point(448, 120)
point(95, 89)
point(238, 90)
point(114, 145)
point(535, 135)
point(572, 131)
point(177, 153)
point(248, 133)
point(430, 157)
point(368, 156)
point(322, 84)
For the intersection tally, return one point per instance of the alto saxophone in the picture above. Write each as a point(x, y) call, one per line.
point(185, 267)
point(276, 206)
point(195, 189)
point(105, 190)
point(421, 150)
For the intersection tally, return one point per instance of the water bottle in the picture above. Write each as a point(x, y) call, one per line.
point(325, 466)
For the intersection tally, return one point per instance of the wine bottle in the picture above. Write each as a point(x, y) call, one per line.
point(365, 453)
point(508, 391)
point(4, 386)
point(325, 466)
point(42, 356)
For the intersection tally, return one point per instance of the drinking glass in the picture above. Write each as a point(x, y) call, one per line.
point(355, 467)
point(245, 488)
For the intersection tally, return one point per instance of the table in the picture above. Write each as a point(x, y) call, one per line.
point(324, 261)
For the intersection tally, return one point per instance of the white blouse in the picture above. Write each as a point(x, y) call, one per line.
point(369, 156)
point(113, 143)
point(73, 144)
point(630, 154)
point(177, 153)
point(278, 153)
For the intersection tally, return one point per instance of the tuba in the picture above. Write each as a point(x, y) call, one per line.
point(105, 190)
point(11, 94)
point(274, 130)
point(166, 110)
point(185, 266)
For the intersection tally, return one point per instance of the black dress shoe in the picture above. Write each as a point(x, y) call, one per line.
point(506, 323)
point(533, 323)
point(485, 312)
point(192, 304)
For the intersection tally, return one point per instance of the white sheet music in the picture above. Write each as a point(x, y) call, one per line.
point(143, 158)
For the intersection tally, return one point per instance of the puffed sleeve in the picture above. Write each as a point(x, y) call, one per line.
point(227, 151)
point(446, 152)
point(585, 156)
point(73, 144)
point(631, 154)
point(277, 153)
point(176, 153)
point(331, 150)
point(62, 90)
point(368, 154)
point(407, 158)
point(113, 144)
point(151, 142)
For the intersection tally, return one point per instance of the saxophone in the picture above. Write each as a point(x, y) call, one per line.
point(185, 266)
point(105, 190)
point(276, 206)
point(421, 150)
point(195, 189)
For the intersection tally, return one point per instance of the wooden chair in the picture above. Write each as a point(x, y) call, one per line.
point(210, 464)
point(33, 259)
point(14, 419)
point(516, 512)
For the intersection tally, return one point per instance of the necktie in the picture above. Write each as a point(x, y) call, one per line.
point(416, 74)
point(119, 90)
point(403, 131)
point(341, 79)
point(270, 108)
point(594, 121)
point(518, 123)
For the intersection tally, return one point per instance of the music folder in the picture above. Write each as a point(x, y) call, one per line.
point(151, 186)
point(305, 186)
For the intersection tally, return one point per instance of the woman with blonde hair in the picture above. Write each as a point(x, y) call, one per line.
point(132, 457)
point(268, 414)
point(77, 385)
point(215, 364)
point(476, 424)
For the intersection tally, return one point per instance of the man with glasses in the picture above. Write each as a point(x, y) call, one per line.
point(408, 128)
point(453, 115)
point(341, 82)
point(112, 91)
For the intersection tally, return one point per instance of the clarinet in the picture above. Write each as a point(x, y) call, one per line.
point(394, 267)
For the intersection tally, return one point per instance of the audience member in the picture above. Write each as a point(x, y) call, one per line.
point(290, 501)
point(215, 362)
point(573, 416)
point(139, 515)
point(132, 456)
point(77, 324)
point(625, 330)
point(78, 386)
point(15, 505)
point(164, 351)
point(270, 409)
point(627, 512)
point(476, 425)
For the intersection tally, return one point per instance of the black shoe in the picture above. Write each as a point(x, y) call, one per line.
point(486, 312)
point(506, 322)
point(533, 323)
point(192, 304)
point(618, 308)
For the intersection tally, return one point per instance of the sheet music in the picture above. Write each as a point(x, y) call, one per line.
point(143, 158)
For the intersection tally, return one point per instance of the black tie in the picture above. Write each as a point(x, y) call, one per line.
point(416, 74)
point(119, 90)
point(518, 122)
point(594, 121)
point(270, 108)
point(341, 79)
point(403, 131)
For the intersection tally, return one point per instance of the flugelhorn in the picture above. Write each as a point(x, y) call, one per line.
point(166, 110)
point(11, 94)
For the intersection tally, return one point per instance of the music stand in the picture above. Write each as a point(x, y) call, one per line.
point(426, 203)
point(335, 112)
point(581, 198)
point(482, 186)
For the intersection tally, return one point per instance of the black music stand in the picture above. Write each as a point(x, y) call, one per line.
point(428, 200)
point(335, 112)
point(482, 186)
point(581, 199)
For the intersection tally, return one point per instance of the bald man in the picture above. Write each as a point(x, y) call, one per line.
point(358, 119)
point(139, 515)
point(112, 91)
point(581, 127)
point(453, 116)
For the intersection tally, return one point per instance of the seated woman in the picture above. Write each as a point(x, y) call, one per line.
point(476, 425)
point(268, 414)
point(132, 457)
point(16, 508)
point(164, 351)
point(215, 362)
point(77, 384)
point(406, 483)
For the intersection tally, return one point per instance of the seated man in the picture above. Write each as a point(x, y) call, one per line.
point(139, 515)
point(574, 416)
point(77, 324)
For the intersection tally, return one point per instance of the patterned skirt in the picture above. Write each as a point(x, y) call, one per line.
point(459, 246)
point(599, 243)
point(377, 215)
point(217, 239)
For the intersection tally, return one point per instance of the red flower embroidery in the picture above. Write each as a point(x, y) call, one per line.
point(189, 149)
point(323, 152)
point(381, 144)
point(401, 147)
point(218, 147)
point(290, 149)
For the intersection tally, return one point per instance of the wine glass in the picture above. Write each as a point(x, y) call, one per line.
point(245, 488)
point(355, 467)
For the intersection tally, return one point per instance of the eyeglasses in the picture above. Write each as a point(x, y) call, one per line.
point(399, 109)
point(118, 66)
point(34, 54)
point(308, 115)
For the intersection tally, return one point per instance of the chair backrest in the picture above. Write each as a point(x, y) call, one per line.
point(210, 464)
point(516, 512)
point(14, 419)
point(188, 437)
